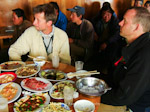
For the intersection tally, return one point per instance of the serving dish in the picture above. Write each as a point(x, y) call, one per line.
point(56, 107)
point(36, 84)
point(56, 92)
point(6, 77)
point(10, 91)
point(27, 71)
point(92, 86)
point(11, 65)
point(32, 103)
point(53, 75)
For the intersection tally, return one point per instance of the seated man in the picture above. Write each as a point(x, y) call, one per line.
point(20, 25)
point(20, 22)
point(42, 39)
point(108, 44)
point(81, 35)
point(131, 78)
point(61, 18)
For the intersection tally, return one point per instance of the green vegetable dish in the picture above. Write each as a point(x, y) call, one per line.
point(52, 74)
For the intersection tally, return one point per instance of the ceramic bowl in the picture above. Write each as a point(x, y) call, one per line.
point(39, 61)
point(87, 107)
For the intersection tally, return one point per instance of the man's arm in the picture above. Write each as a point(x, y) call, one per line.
point(20, 47)
point(132, 86)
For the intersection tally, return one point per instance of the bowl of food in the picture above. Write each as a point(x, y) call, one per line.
point(39, 61)
point(87, 107)
point(92, 86)
point(6, 77)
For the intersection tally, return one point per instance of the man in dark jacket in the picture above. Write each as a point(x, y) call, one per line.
point(109, 43)
point(20, 25)
point(81, 35)
point(131, 78)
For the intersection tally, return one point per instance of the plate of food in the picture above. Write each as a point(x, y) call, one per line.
point(11, 65)
point(11, 91)
point(56, 91)
point(56, 107)
point(53, 75)
point(6, 77)
point(36, 84)
point(27, 71)
point(32, 103)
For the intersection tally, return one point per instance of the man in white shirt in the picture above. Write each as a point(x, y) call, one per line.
point(43, 39)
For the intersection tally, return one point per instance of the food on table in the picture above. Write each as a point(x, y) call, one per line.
point(53, 74)
point(30, 103)
point(27, 70)
point(35, 84)
point(9, 91)
point(11, 65)
point(6, 78)
point(58, 89)
point(55, 107)
point(91, 90)
point(85, 110)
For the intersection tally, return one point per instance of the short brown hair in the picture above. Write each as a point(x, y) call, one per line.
point(48, 10)
point(142, 16)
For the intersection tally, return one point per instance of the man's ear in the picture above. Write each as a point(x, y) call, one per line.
point(49, 23)
point(137, 27)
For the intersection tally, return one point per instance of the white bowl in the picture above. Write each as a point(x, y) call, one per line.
point(39, 61)
point(87, 107)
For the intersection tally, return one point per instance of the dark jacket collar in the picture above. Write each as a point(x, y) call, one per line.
point(129, 50)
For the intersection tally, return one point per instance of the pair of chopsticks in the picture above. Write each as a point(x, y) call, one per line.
point(83, 73)
point(32, 57)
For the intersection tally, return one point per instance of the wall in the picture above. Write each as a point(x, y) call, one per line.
point(91, 6)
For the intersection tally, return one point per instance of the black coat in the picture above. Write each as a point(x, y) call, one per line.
point(132, 78)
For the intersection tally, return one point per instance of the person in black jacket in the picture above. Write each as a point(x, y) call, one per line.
point(109, 43)
point(131, 78)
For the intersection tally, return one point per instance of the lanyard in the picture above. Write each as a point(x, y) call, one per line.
point(50, 43)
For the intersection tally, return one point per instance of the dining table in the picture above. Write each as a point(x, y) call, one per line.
point(66, 68)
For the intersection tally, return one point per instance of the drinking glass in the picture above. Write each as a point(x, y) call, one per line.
point(55, 61)
point(79, 65)
point(3, 105)
point(68, 95)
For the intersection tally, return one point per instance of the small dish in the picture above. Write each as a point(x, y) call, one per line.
point(87, 107)
point(6, 77)
point(39, 61)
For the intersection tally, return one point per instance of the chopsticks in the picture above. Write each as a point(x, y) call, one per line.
point(83, 73)
point(32, 57)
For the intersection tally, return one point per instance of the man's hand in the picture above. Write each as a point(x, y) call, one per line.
point(70, 40)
